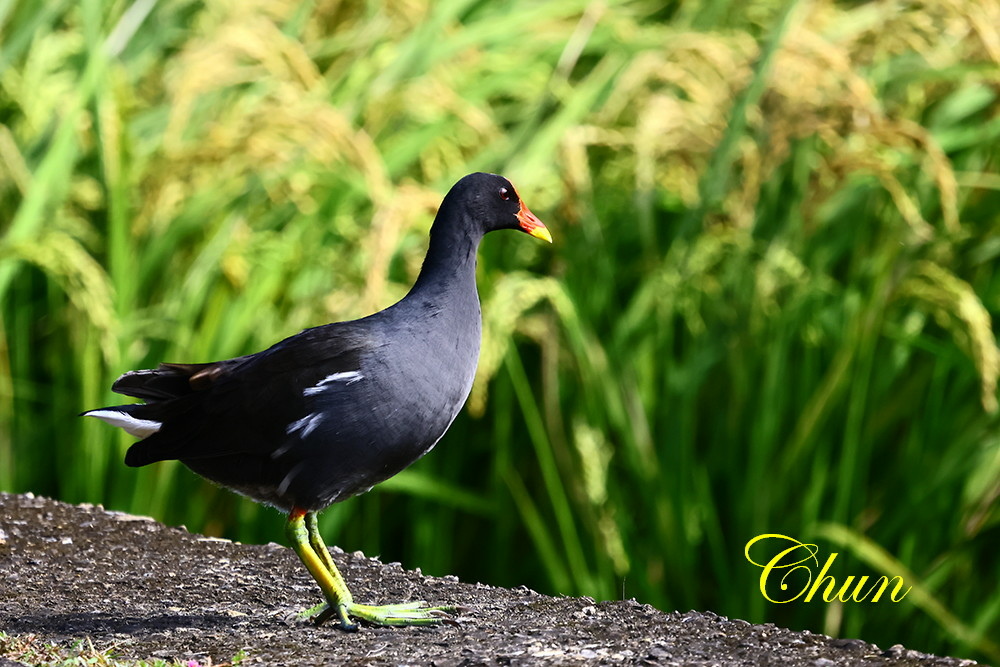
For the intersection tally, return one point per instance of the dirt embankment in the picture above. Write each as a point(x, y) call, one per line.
point(69, 572)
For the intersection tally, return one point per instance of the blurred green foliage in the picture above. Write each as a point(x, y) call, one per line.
point(770, 306)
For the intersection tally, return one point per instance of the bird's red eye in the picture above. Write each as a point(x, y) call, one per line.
point(504, 194)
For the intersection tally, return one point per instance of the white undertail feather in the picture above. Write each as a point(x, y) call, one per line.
point(140, 428)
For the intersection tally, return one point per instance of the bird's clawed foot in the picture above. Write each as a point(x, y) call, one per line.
point(303, 533)
point(401, 614)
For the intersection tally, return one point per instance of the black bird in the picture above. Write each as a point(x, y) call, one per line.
point(328, 413)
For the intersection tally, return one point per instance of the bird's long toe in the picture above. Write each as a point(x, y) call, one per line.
point(405, 613)
point(399, 614)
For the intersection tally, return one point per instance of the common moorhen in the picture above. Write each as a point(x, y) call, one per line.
point(328, 413)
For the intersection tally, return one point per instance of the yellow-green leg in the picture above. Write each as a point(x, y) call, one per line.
point(303, 532)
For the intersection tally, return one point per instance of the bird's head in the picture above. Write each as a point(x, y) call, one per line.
point(493, 202)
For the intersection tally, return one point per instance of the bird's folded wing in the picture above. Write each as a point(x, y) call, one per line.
point(241, 405)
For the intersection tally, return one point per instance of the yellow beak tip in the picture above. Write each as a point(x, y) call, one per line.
point(541, 233)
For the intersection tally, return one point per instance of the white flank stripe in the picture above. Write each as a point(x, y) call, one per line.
point(307, 424)
point(140, 428)
point(348, 377)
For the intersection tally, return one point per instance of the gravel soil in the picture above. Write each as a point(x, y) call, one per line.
point(151, 591)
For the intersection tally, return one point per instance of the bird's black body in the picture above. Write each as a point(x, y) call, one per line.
point(331, 411)
point(321, 416)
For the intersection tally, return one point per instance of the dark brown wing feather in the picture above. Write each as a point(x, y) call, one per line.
point(168, 381)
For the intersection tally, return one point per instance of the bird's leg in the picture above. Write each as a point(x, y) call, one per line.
point(303, 532)
point(322, 569)
point(319, 546)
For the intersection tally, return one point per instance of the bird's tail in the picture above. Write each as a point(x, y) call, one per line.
point(157, 387)
point(135, 419)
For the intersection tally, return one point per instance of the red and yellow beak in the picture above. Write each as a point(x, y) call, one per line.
point(530, 224)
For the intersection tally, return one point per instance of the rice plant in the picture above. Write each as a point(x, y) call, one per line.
point(770, 306)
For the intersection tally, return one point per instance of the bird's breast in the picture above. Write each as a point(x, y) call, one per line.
point(364, 425)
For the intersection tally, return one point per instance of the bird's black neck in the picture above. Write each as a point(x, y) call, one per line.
point(450, 264)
